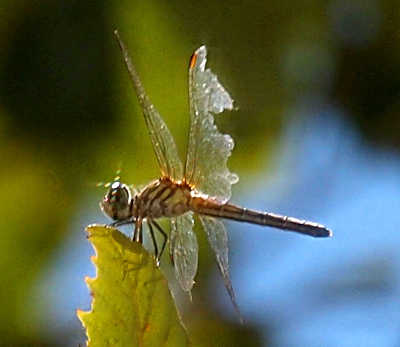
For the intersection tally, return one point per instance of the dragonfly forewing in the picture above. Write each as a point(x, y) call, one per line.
point(208, 149)
point(184, 250)
point(163, 143)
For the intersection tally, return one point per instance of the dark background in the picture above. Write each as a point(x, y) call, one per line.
point(317, 86)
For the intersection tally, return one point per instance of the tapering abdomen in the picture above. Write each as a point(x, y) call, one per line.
point(214, 209)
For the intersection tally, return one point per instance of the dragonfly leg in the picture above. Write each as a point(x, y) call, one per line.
point(153, 238)
point(123, 222)
point(165, 237)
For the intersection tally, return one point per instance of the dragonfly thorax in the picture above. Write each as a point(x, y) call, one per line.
point(163, 198)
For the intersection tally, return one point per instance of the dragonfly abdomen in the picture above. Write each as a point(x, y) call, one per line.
point(212, 208)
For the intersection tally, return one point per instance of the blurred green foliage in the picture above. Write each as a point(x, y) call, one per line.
point(68, 113)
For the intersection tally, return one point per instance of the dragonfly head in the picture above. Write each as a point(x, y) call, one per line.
point(117, 203)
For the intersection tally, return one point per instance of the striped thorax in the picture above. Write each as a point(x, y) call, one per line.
point(163, 198)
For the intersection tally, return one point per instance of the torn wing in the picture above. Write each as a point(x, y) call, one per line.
point(184, 250)
point(163, 143)
point(208, 149)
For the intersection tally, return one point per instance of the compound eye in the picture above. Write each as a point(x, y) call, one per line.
point(117, 202)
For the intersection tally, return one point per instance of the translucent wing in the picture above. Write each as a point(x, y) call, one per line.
point(218, 239)
point(184, 250)
point(163, 143)
point(208, 149)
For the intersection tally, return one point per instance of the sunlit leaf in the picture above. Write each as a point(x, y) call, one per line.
point(132, 304)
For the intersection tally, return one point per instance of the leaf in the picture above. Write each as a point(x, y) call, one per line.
point(132, 304)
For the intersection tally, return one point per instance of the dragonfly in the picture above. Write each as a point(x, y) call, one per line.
point(201, 187)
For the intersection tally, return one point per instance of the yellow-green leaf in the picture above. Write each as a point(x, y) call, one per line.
point(132, 304)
